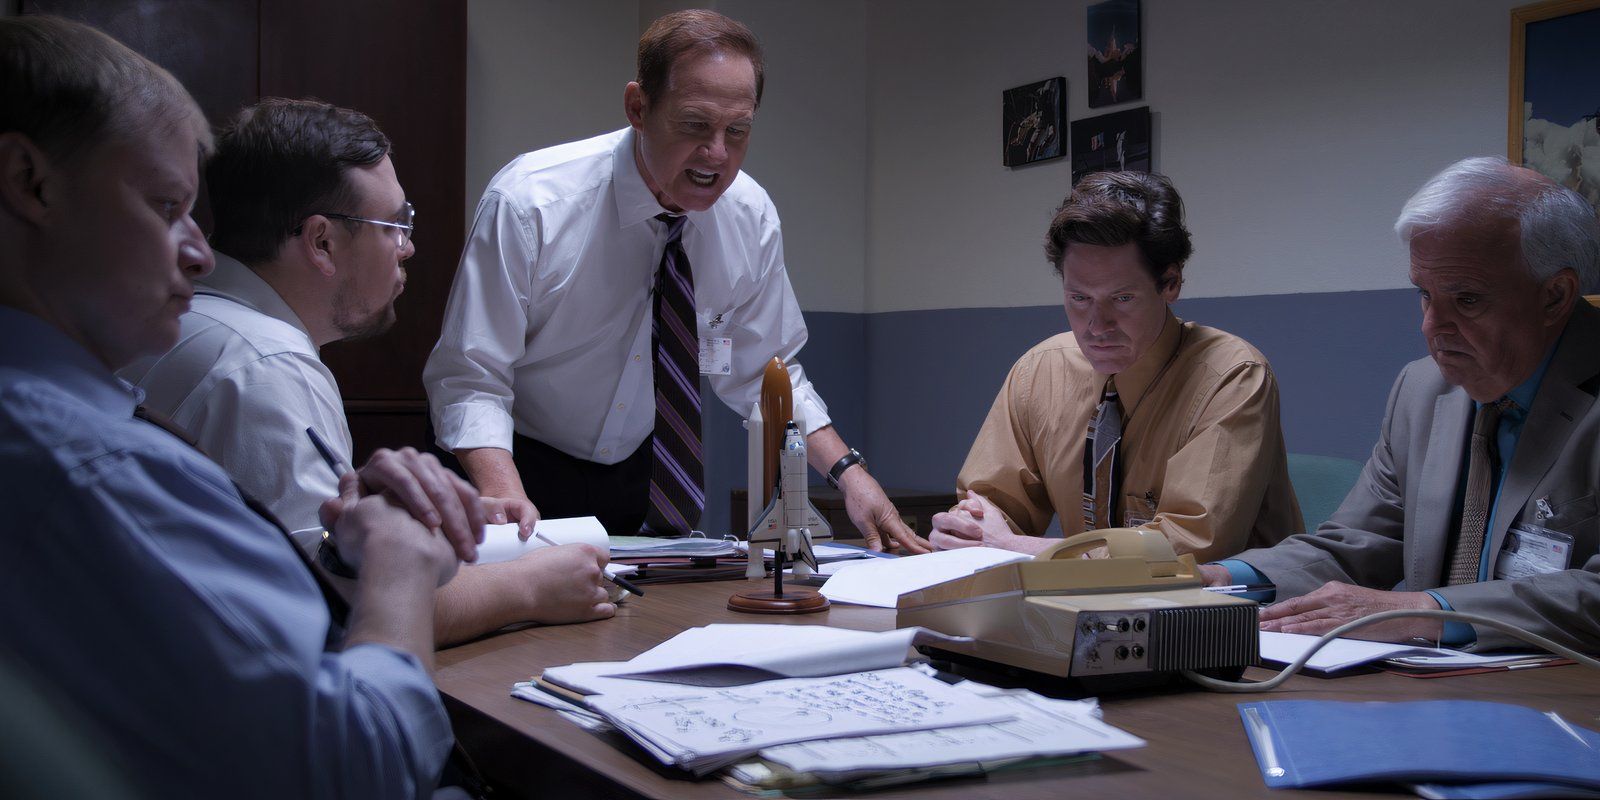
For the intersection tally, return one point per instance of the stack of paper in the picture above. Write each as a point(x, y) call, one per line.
point(1340, 654)
point(880, 581)
point(1040, 727)
point(703, 729)
point(726, 655)
point(684, 547)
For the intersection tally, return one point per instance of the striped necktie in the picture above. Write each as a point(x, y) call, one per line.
point(677, 489)
point(1482, 469)
point(1102, 462)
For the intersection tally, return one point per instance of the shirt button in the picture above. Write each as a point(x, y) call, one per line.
point(638, 358)
point(621, 406)
point(605, 451)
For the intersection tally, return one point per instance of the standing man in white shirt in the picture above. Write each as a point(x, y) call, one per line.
point(312, 231)
point(602, 277)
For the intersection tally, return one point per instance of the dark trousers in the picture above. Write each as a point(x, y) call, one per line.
point(563, 486)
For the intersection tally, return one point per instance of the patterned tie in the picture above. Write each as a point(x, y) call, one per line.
point(1102, 461)
point(1482, 466)
point(677, 490)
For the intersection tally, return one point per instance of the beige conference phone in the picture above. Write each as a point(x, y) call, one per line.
point(1137, 614)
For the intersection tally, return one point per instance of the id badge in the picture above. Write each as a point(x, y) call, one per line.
point(1533, 550)
point(1138, 511)
point(716, 352)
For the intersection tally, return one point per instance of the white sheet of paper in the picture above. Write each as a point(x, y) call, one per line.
point(500, 542)
point(703, 729)
point(732, 654)
point(1042, 727)
point(880, 581)
point(1345, 653)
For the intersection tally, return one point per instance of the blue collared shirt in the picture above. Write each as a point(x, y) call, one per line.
point(184, 626)
point(1507, 433)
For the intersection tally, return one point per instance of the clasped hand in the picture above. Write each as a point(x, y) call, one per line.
point(409, 501)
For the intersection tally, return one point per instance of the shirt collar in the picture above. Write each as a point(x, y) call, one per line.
point(635, 202)
point(29, 344)
point(1524, 392)
point(234, 281)
point(1136, 379)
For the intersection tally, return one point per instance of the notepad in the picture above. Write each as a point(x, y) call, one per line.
point(1309, 743)
point(500, 542)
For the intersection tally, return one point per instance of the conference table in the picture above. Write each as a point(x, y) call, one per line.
point(1197, 745)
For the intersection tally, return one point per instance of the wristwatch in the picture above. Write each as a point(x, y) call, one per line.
point(849, 460)
point(328, 558)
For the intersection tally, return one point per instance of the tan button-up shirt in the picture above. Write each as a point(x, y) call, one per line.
point(1202, 451)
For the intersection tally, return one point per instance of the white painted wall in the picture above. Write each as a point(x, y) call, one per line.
point(541, 72)
point(1294, 130)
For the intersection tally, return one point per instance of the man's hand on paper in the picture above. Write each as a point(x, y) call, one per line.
point(556, 585)
point(1336, 603)
point(435, 496)
point(875, 516)
point(976, 522)
point(500, 510)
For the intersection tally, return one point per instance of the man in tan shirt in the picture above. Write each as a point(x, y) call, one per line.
point(1187, 416)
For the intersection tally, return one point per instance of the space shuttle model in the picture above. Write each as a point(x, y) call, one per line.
point(787, 523)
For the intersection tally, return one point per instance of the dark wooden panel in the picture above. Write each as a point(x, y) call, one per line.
point(404, 63)
point(402, 426)
point(209, 45)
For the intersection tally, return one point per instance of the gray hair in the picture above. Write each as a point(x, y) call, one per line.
point(70, 88)
point(1559, 229)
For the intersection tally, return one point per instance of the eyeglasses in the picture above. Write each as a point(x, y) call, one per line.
point(403, 230)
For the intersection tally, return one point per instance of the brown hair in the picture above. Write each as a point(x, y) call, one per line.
point(280, 161)
point(69, 87)
point(1110, 209)
point(694, 31)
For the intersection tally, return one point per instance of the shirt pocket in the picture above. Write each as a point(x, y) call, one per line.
point(1139, 509)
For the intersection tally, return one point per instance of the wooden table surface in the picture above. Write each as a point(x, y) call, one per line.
point(1197, 746)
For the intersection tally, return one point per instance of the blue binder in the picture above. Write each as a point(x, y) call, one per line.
point(1307, 743)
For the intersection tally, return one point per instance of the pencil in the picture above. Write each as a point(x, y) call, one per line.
point(626, 584)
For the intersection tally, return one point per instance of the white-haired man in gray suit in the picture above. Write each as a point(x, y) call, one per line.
point(1480, 495)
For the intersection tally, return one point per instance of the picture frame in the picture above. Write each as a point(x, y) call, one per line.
point(1033, 122)
point(1115, 53)
point(1119, 141)
point(1553, 118)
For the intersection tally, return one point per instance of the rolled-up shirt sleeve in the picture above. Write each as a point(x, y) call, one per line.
point(469, 375)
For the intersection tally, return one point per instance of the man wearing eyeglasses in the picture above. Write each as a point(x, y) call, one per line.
point(312, 230)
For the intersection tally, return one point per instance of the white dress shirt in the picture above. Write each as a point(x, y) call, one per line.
point(547, 332)
point(245, 380)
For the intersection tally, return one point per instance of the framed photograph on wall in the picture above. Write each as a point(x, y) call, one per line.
point(1112, 142)
point(1034, 121)
point(1116, 62)
point(1554, 124)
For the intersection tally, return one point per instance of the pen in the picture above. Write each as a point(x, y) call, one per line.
point(327, 454)
point(1242, 588)
point(626, 584)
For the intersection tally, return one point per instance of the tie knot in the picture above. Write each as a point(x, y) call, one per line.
point(674, 225)
point(1489, 416)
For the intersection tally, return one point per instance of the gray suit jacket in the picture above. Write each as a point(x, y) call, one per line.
point(1394, 529)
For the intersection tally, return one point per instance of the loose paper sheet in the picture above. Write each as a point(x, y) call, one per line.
point(500, 542)
point(880, 581)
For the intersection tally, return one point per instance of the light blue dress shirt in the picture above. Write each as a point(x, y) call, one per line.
point(136, 580)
